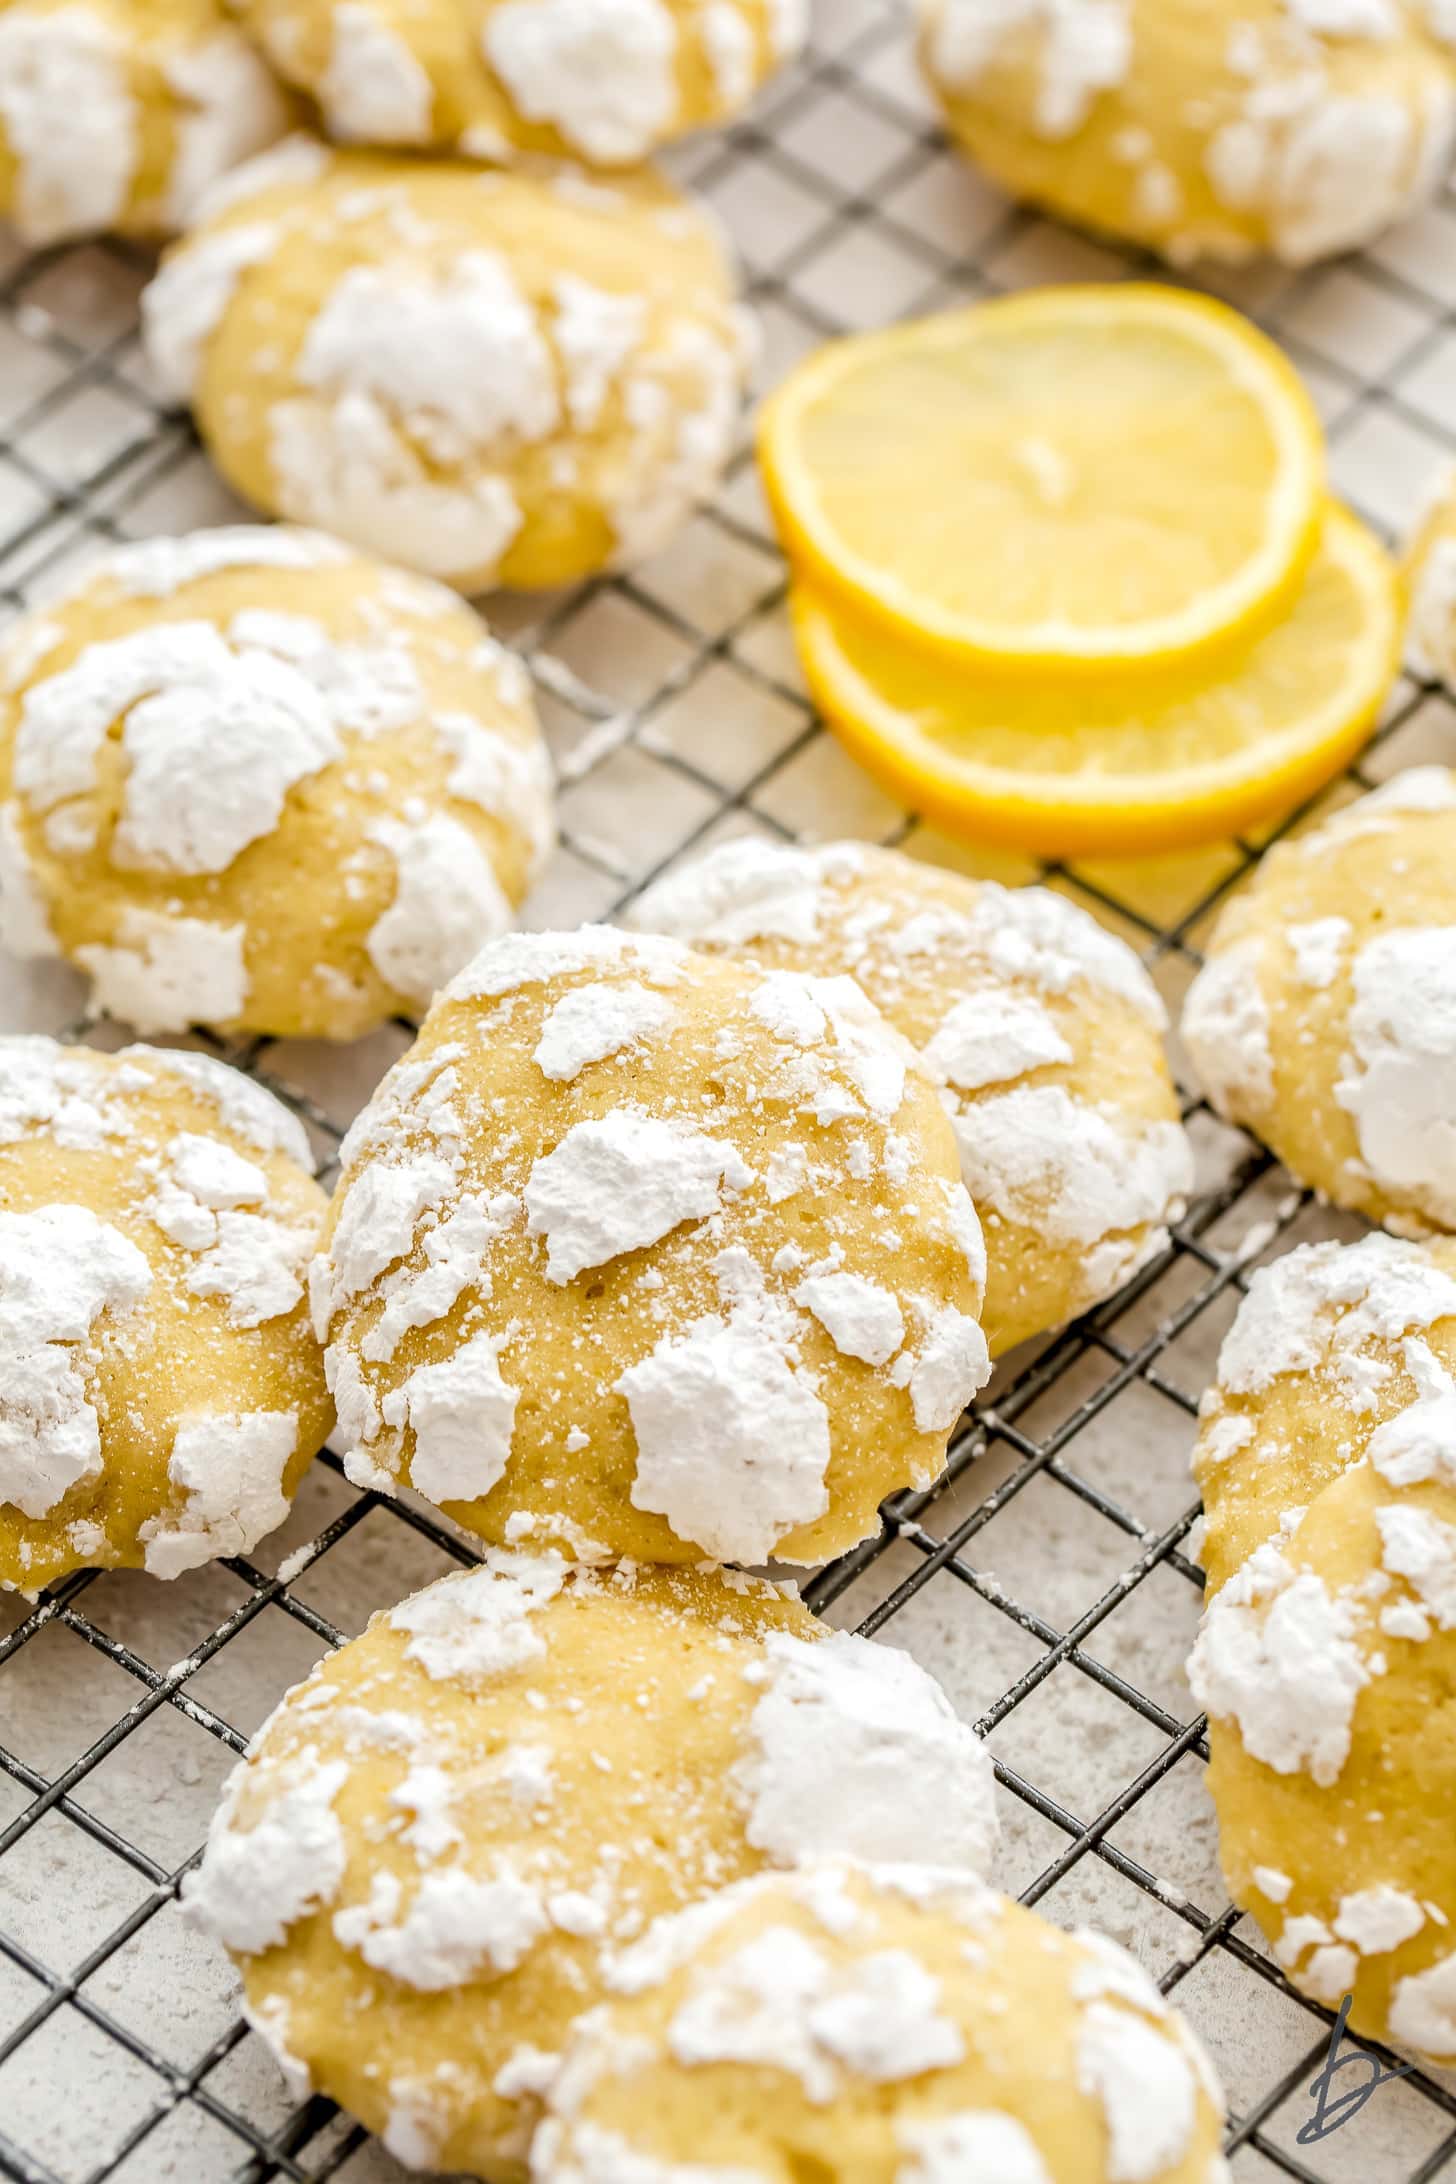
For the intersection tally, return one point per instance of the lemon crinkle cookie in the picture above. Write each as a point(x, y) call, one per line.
point(895, 2024)
point(606, 81)
point(1325, 1017)
point(115, 116)
point(1327, 1655)
point(1430, 566)
point(251, 779)
point(1044, 1029)
point(512, 378)
point(160, 1389)
point(642, 1252)
point(440, 1834)
point(1291, 126)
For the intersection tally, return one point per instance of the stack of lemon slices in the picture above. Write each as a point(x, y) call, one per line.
point(1066, 572)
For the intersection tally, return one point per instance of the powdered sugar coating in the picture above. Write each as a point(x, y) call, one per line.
point(1400, 1085)
point(212, 716)
point(1272, 125)
point(1225, 1026)
point(602, 72)
point(1325, 1016)
point(433, 401)
point(449, 1830)
point(1277, 1654)
point(909, 1769)
point(747, 1167)
point(603, 81)
point(1328, 1461)
point(868, 2016)
point(147, 1214)
point(1017, 1001)
point(85, 85)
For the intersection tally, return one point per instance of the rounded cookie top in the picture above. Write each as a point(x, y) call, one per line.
point(605, 81)
point(252, 779)
point(1327, 1653)
point(1325, 1017)
point(642, 1252)
point(160, 1389)
point(880, 2025)
point(439, 1836)
point(495, 377)
point(1288, 126)
point(115, 117)
point(1043, 1028)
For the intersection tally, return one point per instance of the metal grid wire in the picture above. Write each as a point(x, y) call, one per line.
point(676, 716)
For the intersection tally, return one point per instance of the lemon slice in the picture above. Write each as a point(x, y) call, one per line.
point(1075, 478)
point(1160, 763)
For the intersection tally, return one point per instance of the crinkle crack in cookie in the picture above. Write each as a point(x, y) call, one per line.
point(1045, 1031)
point(1325, 1017)
point(253, 780)
point(1327, 1655)
point(160, 1391)
point(607, 81)
point(438, 1836)
point(878, 2025)
point(1214, 128)
point(641, 1252)
point(119, 114)
point(497, 378)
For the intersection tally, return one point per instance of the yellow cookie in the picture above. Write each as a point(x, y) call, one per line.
point(1327, 1655)
point(496, 378)
point(253, 780)
point(1325, 1017)
point(1430, 564)
point(119, 114)
point(1045, 1031)
point(438, 1836)
point(606, 81)
point(160, 1391)
point(878, 2025)
point(1204, 130)
point(639, 1252)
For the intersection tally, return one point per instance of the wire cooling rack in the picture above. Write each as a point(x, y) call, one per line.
point(1047, 1579)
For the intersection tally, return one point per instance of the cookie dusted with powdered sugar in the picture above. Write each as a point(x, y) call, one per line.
point(605, 81)
point(253, 780)
point(1324, 1019)
point(1043, 1029)
point(439, 1837)
point(640, 1252)
point(1327, 1654)
point(495, 377)
point(161, 1392)
point(1297, 127)
point(116, 117)
point(892, 2024)
point(1430, 569)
